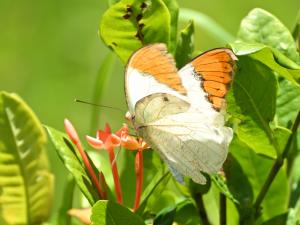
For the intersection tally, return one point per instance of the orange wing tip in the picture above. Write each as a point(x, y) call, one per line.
point(154, 60)
point(217, 102)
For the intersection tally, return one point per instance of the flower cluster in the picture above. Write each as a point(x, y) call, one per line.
point(108, 141)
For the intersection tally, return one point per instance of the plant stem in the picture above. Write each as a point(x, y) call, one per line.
point(223, 210)
point(201, 209)
point(275, 169)
point(115, 173)
point(139, 179)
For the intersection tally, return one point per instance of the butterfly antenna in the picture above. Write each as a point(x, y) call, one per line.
point(98, 105)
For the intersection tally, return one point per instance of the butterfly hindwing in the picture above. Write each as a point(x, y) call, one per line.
point(181, 135)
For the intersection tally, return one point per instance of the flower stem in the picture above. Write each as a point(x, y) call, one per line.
point(115, 173)
point(75, 139)
point(275, 169)
point(139, 171)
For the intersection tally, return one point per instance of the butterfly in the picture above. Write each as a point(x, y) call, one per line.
point(180, 113)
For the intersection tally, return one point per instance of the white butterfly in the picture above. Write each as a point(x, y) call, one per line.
point(181, 113)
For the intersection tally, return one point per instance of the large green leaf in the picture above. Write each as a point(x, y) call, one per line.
point(185, 46)
point(251, 103)
point(256, 169)
point(262, 27)
point(110, 213)
point(73, 162)
point(271, 58)
point(26, 185)
point(130, 24)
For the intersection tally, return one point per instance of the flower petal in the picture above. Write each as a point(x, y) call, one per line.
point(71, 131)
point(115, 140)
point(102, 135)
point(129, 142)
point(123, 129)
point(107, 128)
point(94, 142)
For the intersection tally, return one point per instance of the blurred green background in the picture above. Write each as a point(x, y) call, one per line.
point(50, 53)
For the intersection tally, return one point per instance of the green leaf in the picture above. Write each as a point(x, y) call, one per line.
point(63, 217)
point(256, 169)
point(288, 103)
point(207, 24)
point(101, 82)
point(185, 46)
point(161, 177)
point(271, 58)
point(130, 24)
point(238, 184)
point(173, 8)
point(277, 220)
point(251, 103)
point(73, 162)
point(262, 27)
point(187, 213)
point(165, 217)
point(111, 2)
point(26, 185)
point(296, 30)
point(111, 213)
point(294, 214)
point(195, 188)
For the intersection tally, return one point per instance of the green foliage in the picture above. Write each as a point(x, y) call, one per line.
point(255, 169)
point(251, 103)
point(129, 24)
point(160, 179)
point(186, 213)
point(287, 104)
point(73, 162)
point(282, 65)
point(174, 11)
point(110, 213)
point(262, 27)
point(63, 218)
point(165, 217)
point(26, 185)
point(185, 47)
